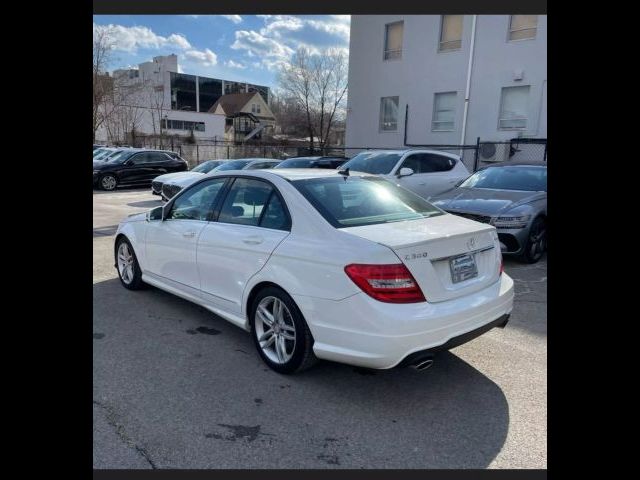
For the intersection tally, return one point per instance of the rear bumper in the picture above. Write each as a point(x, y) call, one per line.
point(361, 331)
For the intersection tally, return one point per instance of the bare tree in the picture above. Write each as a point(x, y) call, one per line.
point(102, 83)
point(317, 83)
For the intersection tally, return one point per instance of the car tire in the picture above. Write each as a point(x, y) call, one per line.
point(298, 346)
point(127, 265)
point(108, 182)
point(536, 241)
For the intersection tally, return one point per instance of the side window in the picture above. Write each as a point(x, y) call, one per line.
point(157, 157)
point(257, 166)
point(414, 162)
point(275, 216)
point(428, 163)
point(139, 158)
point(197, 203)
point(436, 163)
point(245, 201)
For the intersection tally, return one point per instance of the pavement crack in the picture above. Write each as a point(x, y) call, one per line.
point(111, 418)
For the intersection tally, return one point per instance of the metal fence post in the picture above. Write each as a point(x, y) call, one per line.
point(197, 154)
point(476, 156)
point(228, 152)
point(545, 152)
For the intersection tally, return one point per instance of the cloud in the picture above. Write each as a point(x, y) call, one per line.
point(129, 39)
point(279, 24)
point(234, 18)
point(232, 64)
point(256, 44)
point(204, 57)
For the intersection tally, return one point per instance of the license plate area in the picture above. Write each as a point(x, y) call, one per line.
point(463, 267)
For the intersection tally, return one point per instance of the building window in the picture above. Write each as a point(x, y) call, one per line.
point(255, 108)
point(234, 87)
point(183, 92)
point(523, 27)
point(450, 33)
point(264, 91)
point(210, 90)
point(393, 40)
point(182, 125)
point(514, 107)
point(444, 112)
point(389, 114)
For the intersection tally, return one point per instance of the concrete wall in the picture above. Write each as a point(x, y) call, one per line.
point(423, 71)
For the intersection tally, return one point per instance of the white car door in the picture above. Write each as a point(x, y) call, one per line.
point(251, 223)
point(171, 243)
point(433, 173)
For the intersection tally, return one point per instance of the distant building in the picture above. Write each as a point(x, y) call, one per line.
point(462, 77)
point(174, 103)
point(247, 116)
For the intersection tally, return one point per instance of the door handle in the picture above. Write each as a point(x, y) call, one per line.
point(189, 234)
point(253, 240)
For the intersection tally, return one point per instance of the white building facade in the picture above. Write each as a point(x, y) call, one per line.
point(174, 103)
point(461, 76)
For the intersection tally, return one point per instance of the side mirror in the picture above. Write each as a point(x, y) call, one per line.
point(156, 214)
point(405, 172)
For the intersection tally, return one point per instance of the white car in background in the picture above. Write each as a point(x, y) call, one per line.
point(194, 173)
point(172, 186)
point(425, 172)
point(320, 264)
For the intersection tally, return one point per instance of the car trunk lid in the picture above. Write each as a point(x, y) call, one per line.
point(449, 256)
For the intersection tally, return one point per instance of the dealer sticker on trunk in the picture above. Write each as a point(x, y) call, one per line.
point(463, 268)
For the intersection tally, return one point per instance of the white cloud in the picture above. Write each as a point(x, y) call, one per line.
point(232, 64)
point(259, 45)
point(129, 39)
point(234, 18)
point(204, 57)
point(339, 29)
point(282, 23)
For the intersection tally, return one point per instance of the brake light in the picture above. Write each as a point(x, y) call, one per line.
point(501, 266)
point(386, 283)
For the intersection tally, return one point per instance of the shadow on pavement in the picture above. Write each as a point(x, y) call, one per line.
point(105, 231)
point(210, 390)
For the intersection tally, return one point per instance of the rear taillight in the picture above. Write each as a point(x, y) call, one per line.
point(386, 283)
point(501, 266)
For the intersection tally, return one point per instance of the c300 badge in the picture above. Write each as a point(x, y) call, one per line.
point(414, 256)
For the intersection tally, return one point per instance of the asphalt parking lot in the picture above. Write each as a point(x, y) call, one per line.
point(174, 386)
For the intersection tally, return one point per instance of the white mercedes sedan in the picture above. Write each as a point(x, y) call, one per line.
point(322, 264)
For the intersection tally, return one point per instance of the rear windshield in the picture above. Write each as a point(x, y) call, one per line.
point(296, 163)
point(356, 201)
point(379, 163)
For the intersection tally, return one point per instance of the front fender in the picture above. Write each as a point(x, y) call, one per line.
point(135, 232)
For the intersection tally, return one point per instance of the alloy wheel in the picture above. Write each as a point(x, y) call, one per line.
point(125, 263)
point(108, 182)
point(275, 330)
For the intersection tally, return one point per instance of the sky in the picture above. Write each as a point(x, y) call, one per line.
point(247, 48)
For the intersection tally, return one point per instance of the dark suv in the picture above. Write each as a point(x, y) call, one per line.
point(135, 167)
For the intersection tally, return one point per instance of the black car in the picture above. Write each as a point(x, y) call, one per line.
point(312, 162)
point(135, 167)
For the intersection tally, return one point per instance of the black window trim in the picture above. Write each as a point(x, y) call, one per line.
point(452, 162)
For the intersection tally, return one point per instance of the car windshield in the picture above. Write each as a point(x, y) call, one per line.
point(206, 167)
point(379, 163)
point(356, 201)
point(516, 177)
point(233, 165)
point(297, 163)
point(104, 153)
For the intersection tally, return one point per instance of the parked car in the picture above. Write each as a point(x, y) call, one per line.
point(195, 172)
point(401, 280)
point(170, 188)
point(134, 167)
point(511, 196)
point(425, 172)
point(97, 145)
point(312, 162)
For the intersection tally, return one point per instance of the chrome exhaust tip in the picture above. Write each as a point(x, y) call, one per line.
point(423, 364)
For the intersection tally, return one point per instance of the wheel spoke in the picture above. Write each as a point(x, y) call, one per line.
point(265, 335)
point(288, 327)
point(279, 351)
point(287, 336)
point(269, 341)
point(265, 316)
